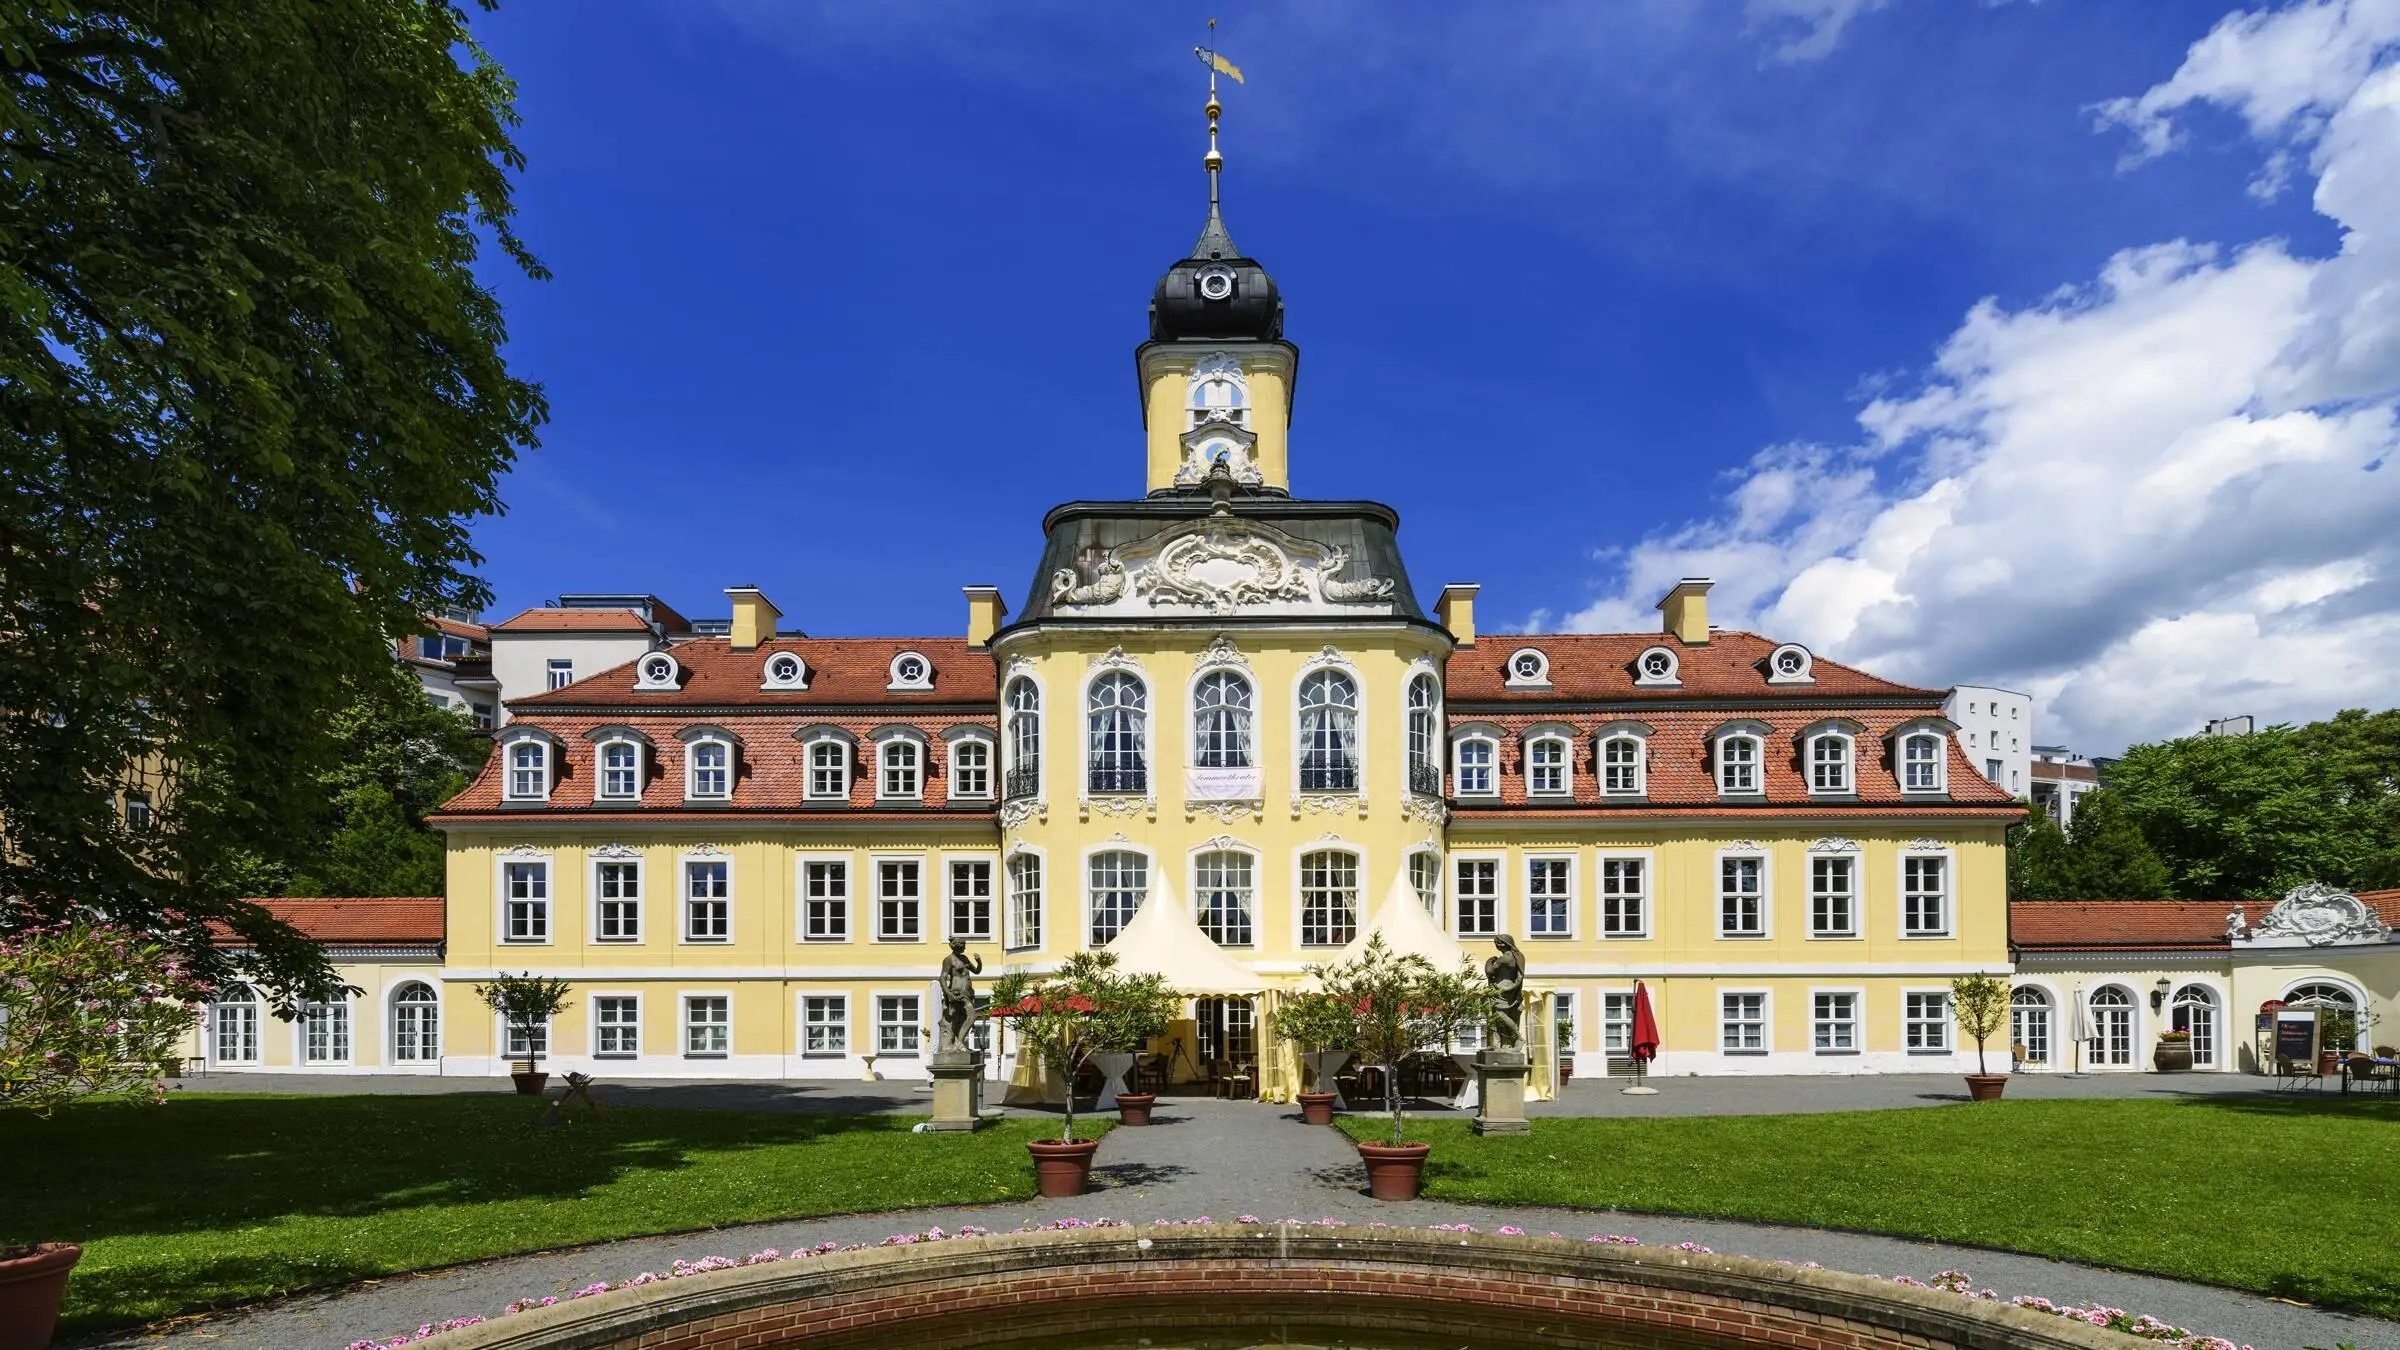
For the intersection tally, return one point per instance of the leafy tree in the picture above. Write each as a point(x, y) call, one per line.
point(2255, 815)
point(255, 394)
point(87, 1009)
point(377, 851)
point(1085, 1007)
point(402, 756)
point(1397, 1004)
point(524, 1002)
point(1980, 1002)
point(2038, 859)
point(2107, 858)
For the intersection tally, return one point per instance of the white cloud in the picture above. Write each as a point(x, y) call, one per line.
point(1809, 29)
point(2162, 496)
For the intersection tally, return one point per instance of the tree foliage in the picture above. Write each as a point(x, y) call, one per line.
point(525, 1001)
point(1085, 1007)
point(2107, 856)
point(254, 395)
point(1980, 1002)
point(87, 1009)
point(401, 757)
point(1396, 1004)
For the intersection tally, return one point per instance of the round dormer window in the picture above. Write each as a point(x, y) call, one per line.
point(1216, 283)
point(784, 669)
point(1789, 663)
point(656, 671)
point(1658, 665)
point(911, 670)
point(1529, 667)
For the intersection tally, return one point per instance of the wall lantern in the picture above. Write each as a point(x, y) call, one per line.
point(2158, 993)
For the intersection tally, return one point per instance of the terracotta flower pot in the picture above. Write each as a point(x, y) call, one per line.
point(1062, 1171)
point(529, 1084)
point(1566, 1072)
point(31, 1288)
point(1986, 1087)
point(1133, 1108)
point(1317, 1107)
point(1394, 1171)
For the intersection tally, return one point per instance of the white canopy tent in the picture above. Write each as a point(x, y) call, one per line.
point(1164, 939)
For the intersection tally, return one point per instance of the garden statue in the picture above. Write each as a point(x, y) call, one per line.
point(958, 998)
point(2237, 924)
point(1506, 972)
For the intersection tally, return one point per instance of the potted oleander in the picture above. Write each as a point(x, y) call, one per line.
point(1397, 1004)
point(1062, 1019)
point(1980, 1005)
point(2173, 1053)
point(1566, 1051)
point(523, 1003)
point(1318, 1025)
point(86, 1010)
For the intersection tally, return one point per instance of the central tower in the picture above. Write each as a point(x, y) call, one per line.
point(1216, 374)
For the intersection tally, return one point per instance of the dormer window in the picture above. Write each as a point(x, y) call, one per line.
point(1656, 669)
point(1529, 668)
point(620, 770)
point(1546, 767)
point(785, 670)
point(1791, 664)
point(829, 755)
point(1621, 768)
point(657, 671)
point(911, 674)
point(970, 766)
point(708, 767)
point(1738, 757)
point(528, 768)
point(901, 774)
point(1474, 762)
point(1921, 761)
point(1829, 763)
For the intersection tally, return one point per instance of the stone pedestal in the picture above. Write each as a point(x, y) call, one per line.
point(1500, 1082)
point(957, 1090)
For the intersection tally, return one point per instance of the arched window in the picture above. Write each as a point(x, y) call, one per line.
point(1119, 716)
point(621, 770)
point(1328, 898)
point(1120, 878)
point(2341, 1030)
point(1328, 732)
point(828, 769)
point(233, 1027)
point(416, 1024)
point(528, 769)
point(710, 771)
point(1425, 878)
point(1024, 739)
point(1424, 734)
point(1621, 766)
point(1829, 762)
point(1217, 394)
point(903, 764)
point(1546, 767)
point(1921, 762)
point(1224, 885)
point(2029, 1023)
point(2194, 1010)
point(1474, 756)
point(1737, 766)
point(2112, 1025)
point(1221, 721)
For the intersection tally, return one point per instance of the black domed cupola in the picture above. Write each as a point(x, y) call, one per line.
point(1216, 293)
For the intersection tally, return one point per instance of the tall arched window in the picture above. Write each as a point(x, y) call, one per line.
point(1119, 715)
point(1120, 878)
point(2341, 1030)
point(1221, 721)
point(1217, 395)
point(1328, 898)
point(1024, 739)
point(2112, 1025)
point(1328, 732)
point(233, 1027)
point(2029, 1023)
point(416, 1024)
point(2194, 1009)
point(1424, 736)
point(1224, 883)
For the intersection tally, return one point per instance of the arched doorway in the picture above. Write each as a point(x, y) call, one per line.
point(2112, 1026)
point(2338, 1005)
point(416, 1024)
point(2029, 1025)
point(2194, 1009)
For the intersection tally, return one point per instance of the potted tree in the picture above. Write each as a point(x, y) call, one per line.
point(1321, 1028)
point(1133, 1011)
point(85, 1010)
point(1566, 1051)
point(1980, 1003)
point(524, 1002)
point(1061, 1020)
point(1397, 1004)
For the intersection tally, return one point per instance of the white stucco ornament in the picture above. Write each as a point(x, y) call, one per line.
point(2318, 915)
point(1219, 565)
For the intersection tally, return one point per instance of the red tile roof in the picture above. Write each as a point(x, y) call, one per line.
point(1587, 667)
point(399, 920)
point(546, 620)
point(841, 672)
point(2146, 925)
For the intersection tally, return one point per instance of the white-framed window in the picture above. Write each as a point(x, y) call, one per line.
point(657, 671)
point(1790, 664)
point(561, 671)
point(708, 769)
point(1742, 1019)
point(1738, 765)
point(1924, 895)
point(824, 1025)
point(1925, 1019)
point(325, 1033)
point(902, 768)
point(2193, 1009)
point(1474, 757)
point(2029, 1023)
point(1328, 732)
point(1224, 885)
point(1832, 895)
point(1546, 770)
point(1624, 897)
point(911, 673)
point(1616, 1022)
point(1833, 1022)
point(1829, 762)
point(2111, 1008)
point(1119, 881)
point(1218, 391)
point(1655, 668)
point(1921, 762)
point(899, 900)
point(785, 670)
point(971, 768)
point(139, 814)
point(620, 770)
point(898, 1029)
point(616, 1026)
point(1117, 716)
point(529, 769)
point(707, 1026)
point(617, 900)
point(525, 901)
point(825, 900)
point(416, 1024)
point(1621, 769)
point(1222, 704)
point(1024, 738)
point(1528, 668)
point(1478, 896)
point(1024, 901)
point(707, 900)
point(520, 1041)
point(233, 1028)
point(1424, 737)
point(1425, 878)
point(1550, 897)
point(1328, 897)
point(971, 899)
point(829, 769)
point(1742, 896)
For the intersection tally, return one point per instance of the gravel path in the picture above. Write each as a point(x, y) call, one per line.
point(1227, 1159)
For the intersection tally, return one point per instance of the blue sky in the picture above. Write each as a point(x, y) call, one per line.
point(845, 296)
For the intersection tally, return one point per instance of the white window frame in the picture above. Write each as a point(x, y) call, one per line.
point(798, 679)
point(1498, 898)
point(1857, 930)
point(1083, 882)
point(684, 1025)
point(1848, 763)
point(1641, 765)
point(1537, 678)
point(1857, 1021)
point(1250, 909)
point(633, 996)
point(1941, 761)
point(1432, 715)
point(957, 747)
point(548, 899)
point(995, 896)
point(1573, 896)
point(1565, 766)
point(1149, 739)
point(1358, 894)
point(802, 897)
point(1766, 1022)
point(1616, 1031)
point(1900, 895)
point(847, 752)
point(341, 1033)
point(684, 899)
point(1013, 936)
point(1648, 895)
point(875, 866)
point(392, 1003)
point(251, 1027)
point(1459, 741)
point(1247, 719)
point(602, 771)
point(1758, 764)
point(655, 672)
point(1431, 899)
point(877, 1000)
point(1299, 711)
point(546, 771)
point(840, 999)
point(1766, 894)
point(691, 766)
point(1013, 747)
point(1947, 1023)
point(887, 741)
point(640, 899)
point(900, 684)
point(558, 672)
point(1669, 678)
point(545, 1030)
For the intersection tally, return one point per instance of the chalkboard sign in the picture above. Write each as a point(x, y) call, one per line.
point(2296, 1036)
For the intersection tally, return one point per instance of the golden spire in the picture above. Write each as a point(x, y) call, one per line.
point(1217, 65)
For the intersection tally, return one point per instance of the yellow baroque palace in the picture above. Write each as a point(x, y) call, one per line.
point(1225, 733)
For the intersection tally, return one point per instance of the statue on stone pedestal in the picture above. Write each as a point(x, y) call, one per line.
point(958, 999)
point(1507, 975)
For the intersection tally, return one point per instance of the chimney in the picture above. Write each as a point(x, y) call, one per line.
point(1456, 611)
point(1686, 608)
point(985, 610)
point(754, 617)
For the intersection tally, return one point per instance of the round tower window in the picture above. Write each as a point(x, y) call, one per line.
point(1216, 283)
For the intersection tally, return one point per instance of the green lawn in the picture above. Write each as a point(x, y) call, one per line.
point(2293, 1196)
point(212, 1200)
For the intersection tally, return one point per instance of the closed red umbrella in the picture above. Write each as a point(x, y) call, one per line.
point(1645, 1025)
